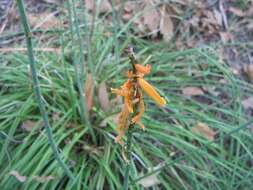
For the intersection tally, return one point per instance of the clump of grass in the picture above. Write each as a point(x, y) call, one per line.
point(168, 148)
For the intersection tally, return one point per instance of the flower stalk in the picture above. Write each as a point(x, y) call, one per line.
point(134, 107)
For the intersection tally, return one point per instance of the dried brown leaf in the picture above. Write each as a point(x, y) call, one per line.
point(166, 25)
point(88, 91)
point(203, 130)
point(130, 6)
point(192, 91)
point(237, 11)
point(152, 19)
point(248, 103)
point(241, 13)
point(218, 17)
point(248, 70)
point(104, 6)
point(28, 125)
point(127, 17)
point(44, 21)
point(103, 97)
point(19, 177)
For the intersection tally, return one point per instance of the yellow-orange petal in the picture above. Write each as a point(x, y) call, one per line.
point(123, 117)
point(128, 103)
point(143, 69)
point(151, 92)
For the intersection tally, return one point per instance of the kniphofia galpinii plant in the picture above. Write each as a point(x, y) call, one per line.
point(131, 90)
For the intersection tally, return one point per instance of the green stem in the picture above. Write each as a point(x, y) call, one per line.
point(133, 61)
point(128, 156)
point(37, 90)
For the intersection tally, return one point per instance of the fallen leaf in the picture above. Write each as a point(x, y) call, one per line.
point(129, 10)
point(151, 18)
point(218, 17)
point(130, 6)
point(192, 91)
point(44, 21)
point(18, 176)
point(28, 125)
point(248, 70)
point(237, 11)
point(248, 103)
point(104, 6)
point(127, 17)
point(103, 96)
point(88, 91)
point(166, 25)
point(241, 13)
point(203, 130)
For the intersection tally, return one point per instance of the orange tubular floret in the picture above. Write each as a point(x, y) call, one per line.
point(125, 91)
point(143, 69)
point(151, 92)
point(122, 124)
point(128, 103)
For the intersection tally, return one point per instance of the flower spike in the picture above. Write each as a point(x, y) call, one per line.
point(131, 90)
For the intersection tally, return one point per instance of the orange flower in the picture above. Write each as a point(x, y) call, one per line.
point(151, 92)
point(143, 69)
point(125, 91)
point(131, 91)
point(122, 124)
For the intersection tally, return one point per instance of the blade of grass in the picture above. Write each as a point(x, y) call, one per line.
point(37, 90)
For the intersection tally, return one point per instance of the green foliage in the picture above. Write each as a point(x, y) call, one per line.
point(186, 161)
